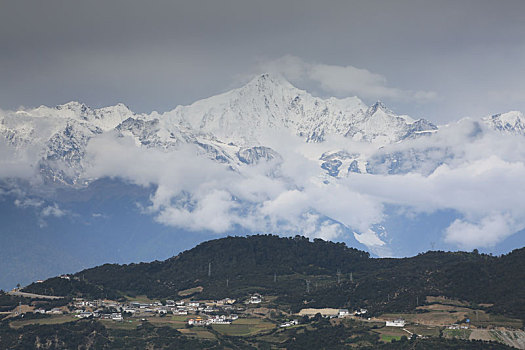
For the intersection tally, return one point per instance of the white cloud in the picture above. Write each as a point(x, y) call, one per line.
point(482, 178)
point(17, 163)
point(53, 210)
point(369, 238)
point(479, 175)
point(196, 193)
point(483, 233)
point(26, 202)
point(343, 80)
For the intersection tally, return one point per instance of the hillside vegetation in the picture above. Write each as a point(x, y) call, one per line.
point(315, 273)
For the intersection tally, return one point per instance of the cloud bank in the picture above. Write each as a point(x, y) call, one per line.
point(476, 172)
point(466, 168)
point(342, 80)
point(283, 196)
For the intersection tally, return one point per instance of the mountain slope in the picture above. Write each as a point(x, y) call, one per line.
point(512, 122)
point(242, 118)
point(280, 266)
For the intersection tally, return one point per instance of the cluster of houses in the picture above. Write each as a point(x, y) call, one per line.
point(209, 312)
point(114, 310)
point(53, 311)
point(457, 326)
point(331, 313)
point(217, 319)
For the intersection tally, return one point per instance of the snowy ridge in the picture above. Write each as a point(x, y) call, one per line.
point(512, 122)
point(279, 156)
point(267, 102)
point(231, 128)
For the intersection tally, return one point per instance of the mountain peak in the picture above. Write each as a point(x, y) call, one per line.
point(268, 81)
point(74, 106)
point(510, 122)
point(379, 106)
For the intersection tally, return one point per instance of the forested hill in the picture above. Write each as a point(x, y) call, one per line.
point(319, 273)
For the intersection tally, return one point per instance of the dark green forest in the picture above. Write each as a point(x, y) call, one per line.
point(88, 334)
point(316, 273)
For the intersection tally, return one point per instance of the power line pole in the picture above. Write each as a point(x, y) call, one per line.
point(227, 282)
point(209, 269)
point(307, 286)
point(338, 276)
point(351, 277)
point(274, 277)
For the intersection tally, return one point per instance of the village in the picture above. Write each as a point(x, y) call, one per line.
point(196, 312)
point(257, 315)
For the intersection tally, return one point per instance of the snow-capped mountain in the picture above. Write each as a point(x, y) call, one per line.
point(266, 157)
point(228, 128)
point(380, 125)
point(232, 128)
point(269, 102)
point(512, 122)
point(58, 136)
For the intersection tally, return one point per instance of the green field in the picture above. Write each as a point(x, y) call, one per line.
point(127, 324)
point(479, 318)
point(424, 330)
point(388, 338)
point(386, 334)
point(197, 332)
point(446, 301)
point(457, 333)
point(181, 318)
point(140, 299)
point(244, 327)
point(48, 320)
point(174, 322)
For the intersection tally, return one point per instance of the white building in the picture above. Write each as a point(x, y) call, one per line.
point(343, 313)
point(396, 323)
point(225, 301)
point(196, 322)
point(361, 312)
point(289, 323)
point(255, 299)
point(117, 316)
point(55, 311)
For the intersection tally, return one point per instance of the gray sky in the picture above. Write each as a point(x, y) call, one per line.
point(436, 59)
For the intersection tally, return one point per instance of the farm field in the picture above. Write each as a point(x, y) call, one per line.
point(41, 321)
point(244, 327)
point(386, 334)
point(197, 332)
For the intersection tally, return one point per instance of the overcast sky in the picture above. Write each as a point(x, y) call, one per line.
point(436, 59)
